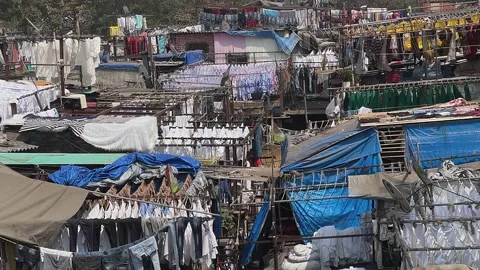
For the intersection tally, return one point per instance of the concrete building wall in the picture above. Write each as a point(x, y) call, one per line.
point(194, 41)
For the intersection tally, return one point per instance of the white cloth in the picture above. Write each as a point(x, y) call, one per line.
point(115, 210)
point(82, 244)
point(49, 53)
point(122, 210)
point(62, 242)
point(448, 233)
point(139, 134)
point(108, 211)
point(88, 57)
point(128, 210)
point(304, 258)
point(104, 240)
point(251, 77)
point(340, 251)
point(203, 136)
point(22, 94)
point(135, 210)
point(310, 265)
point(325, 57)
point(95, 212)
point(19, 119)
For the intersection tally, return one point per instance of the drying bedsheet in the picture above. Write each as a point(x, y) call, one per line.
point(138, 134)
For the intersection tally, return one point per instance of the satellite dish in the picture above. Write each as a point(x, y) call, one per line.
point(146, 76)
point(401, 192)
point(417, 168)
point(126, 10)
point(398, 196)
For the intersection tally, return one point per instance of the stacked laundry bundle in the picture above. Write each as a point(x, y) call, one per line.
point(302, 257)
point(342, 249)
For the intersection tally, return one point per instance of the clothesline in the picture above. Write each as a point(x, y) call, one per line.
point(428, 15)
point(406, 84)
point(388, 36)
point(39, 38)
point(100, 194)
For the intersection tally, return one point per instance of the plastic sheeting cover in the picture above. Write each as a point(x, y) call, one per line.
point(119, 66)
point(81, 176)
point(255, 233)
point(358, 148)
point(286, 44)
point(433, 142)
point(189, 57)
point(338, 149)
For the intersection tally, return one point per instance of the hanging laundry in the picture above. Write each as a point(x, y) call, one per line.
point(468, 95)
point(246, 80)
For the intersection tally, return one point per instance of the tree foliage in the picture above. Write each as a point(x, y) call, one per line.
point(94, 16)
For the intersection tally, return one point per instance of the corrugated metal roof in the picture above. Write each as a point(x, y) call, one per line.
point(58, 158)
point(16, 146)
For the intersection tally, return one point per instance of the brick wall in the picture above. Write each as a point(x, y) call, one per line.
point(194, 41)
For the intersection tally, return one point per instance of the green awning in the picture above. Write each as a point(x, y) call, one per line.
point(58, 158)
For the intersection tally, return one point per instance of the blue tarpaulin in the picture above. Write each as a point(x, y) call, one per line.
point(324, 162)
point(255, 233)
point(188, 57)
point(81, 176)
point(433, 142)
point(119, 66)
point(286, 44)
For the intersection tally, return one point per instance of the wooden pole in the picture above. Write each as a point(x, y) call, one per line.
point(272, 197)
point(62, 69)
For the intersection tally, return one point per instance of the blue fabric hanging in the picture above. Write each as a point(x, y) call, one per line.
point(258, 144)
point(255, 233)
point(161, 43)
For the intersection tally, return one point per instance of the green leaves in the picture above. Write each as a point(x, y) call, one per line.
point(95, 16)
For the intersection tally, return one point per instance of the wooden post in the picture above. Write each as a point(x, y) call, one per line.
point(5, 57)
point(273, 182)
point(62, 69)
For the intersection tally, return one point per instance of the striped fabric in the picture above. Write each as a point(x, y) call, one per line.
point(377, 46)
point(55, 124)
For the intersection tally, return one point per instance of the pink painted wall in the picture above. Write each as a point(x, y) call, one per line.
point(225, 43)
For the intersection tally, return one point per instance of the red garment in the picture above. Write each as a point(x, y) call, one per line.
point(471, 45)
point(250, 9)
point(257, 162)
point(342, 16)
point(393, 77)
point(130, 46)
point(252, 23)
point(324, 16)
point(15, 53)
